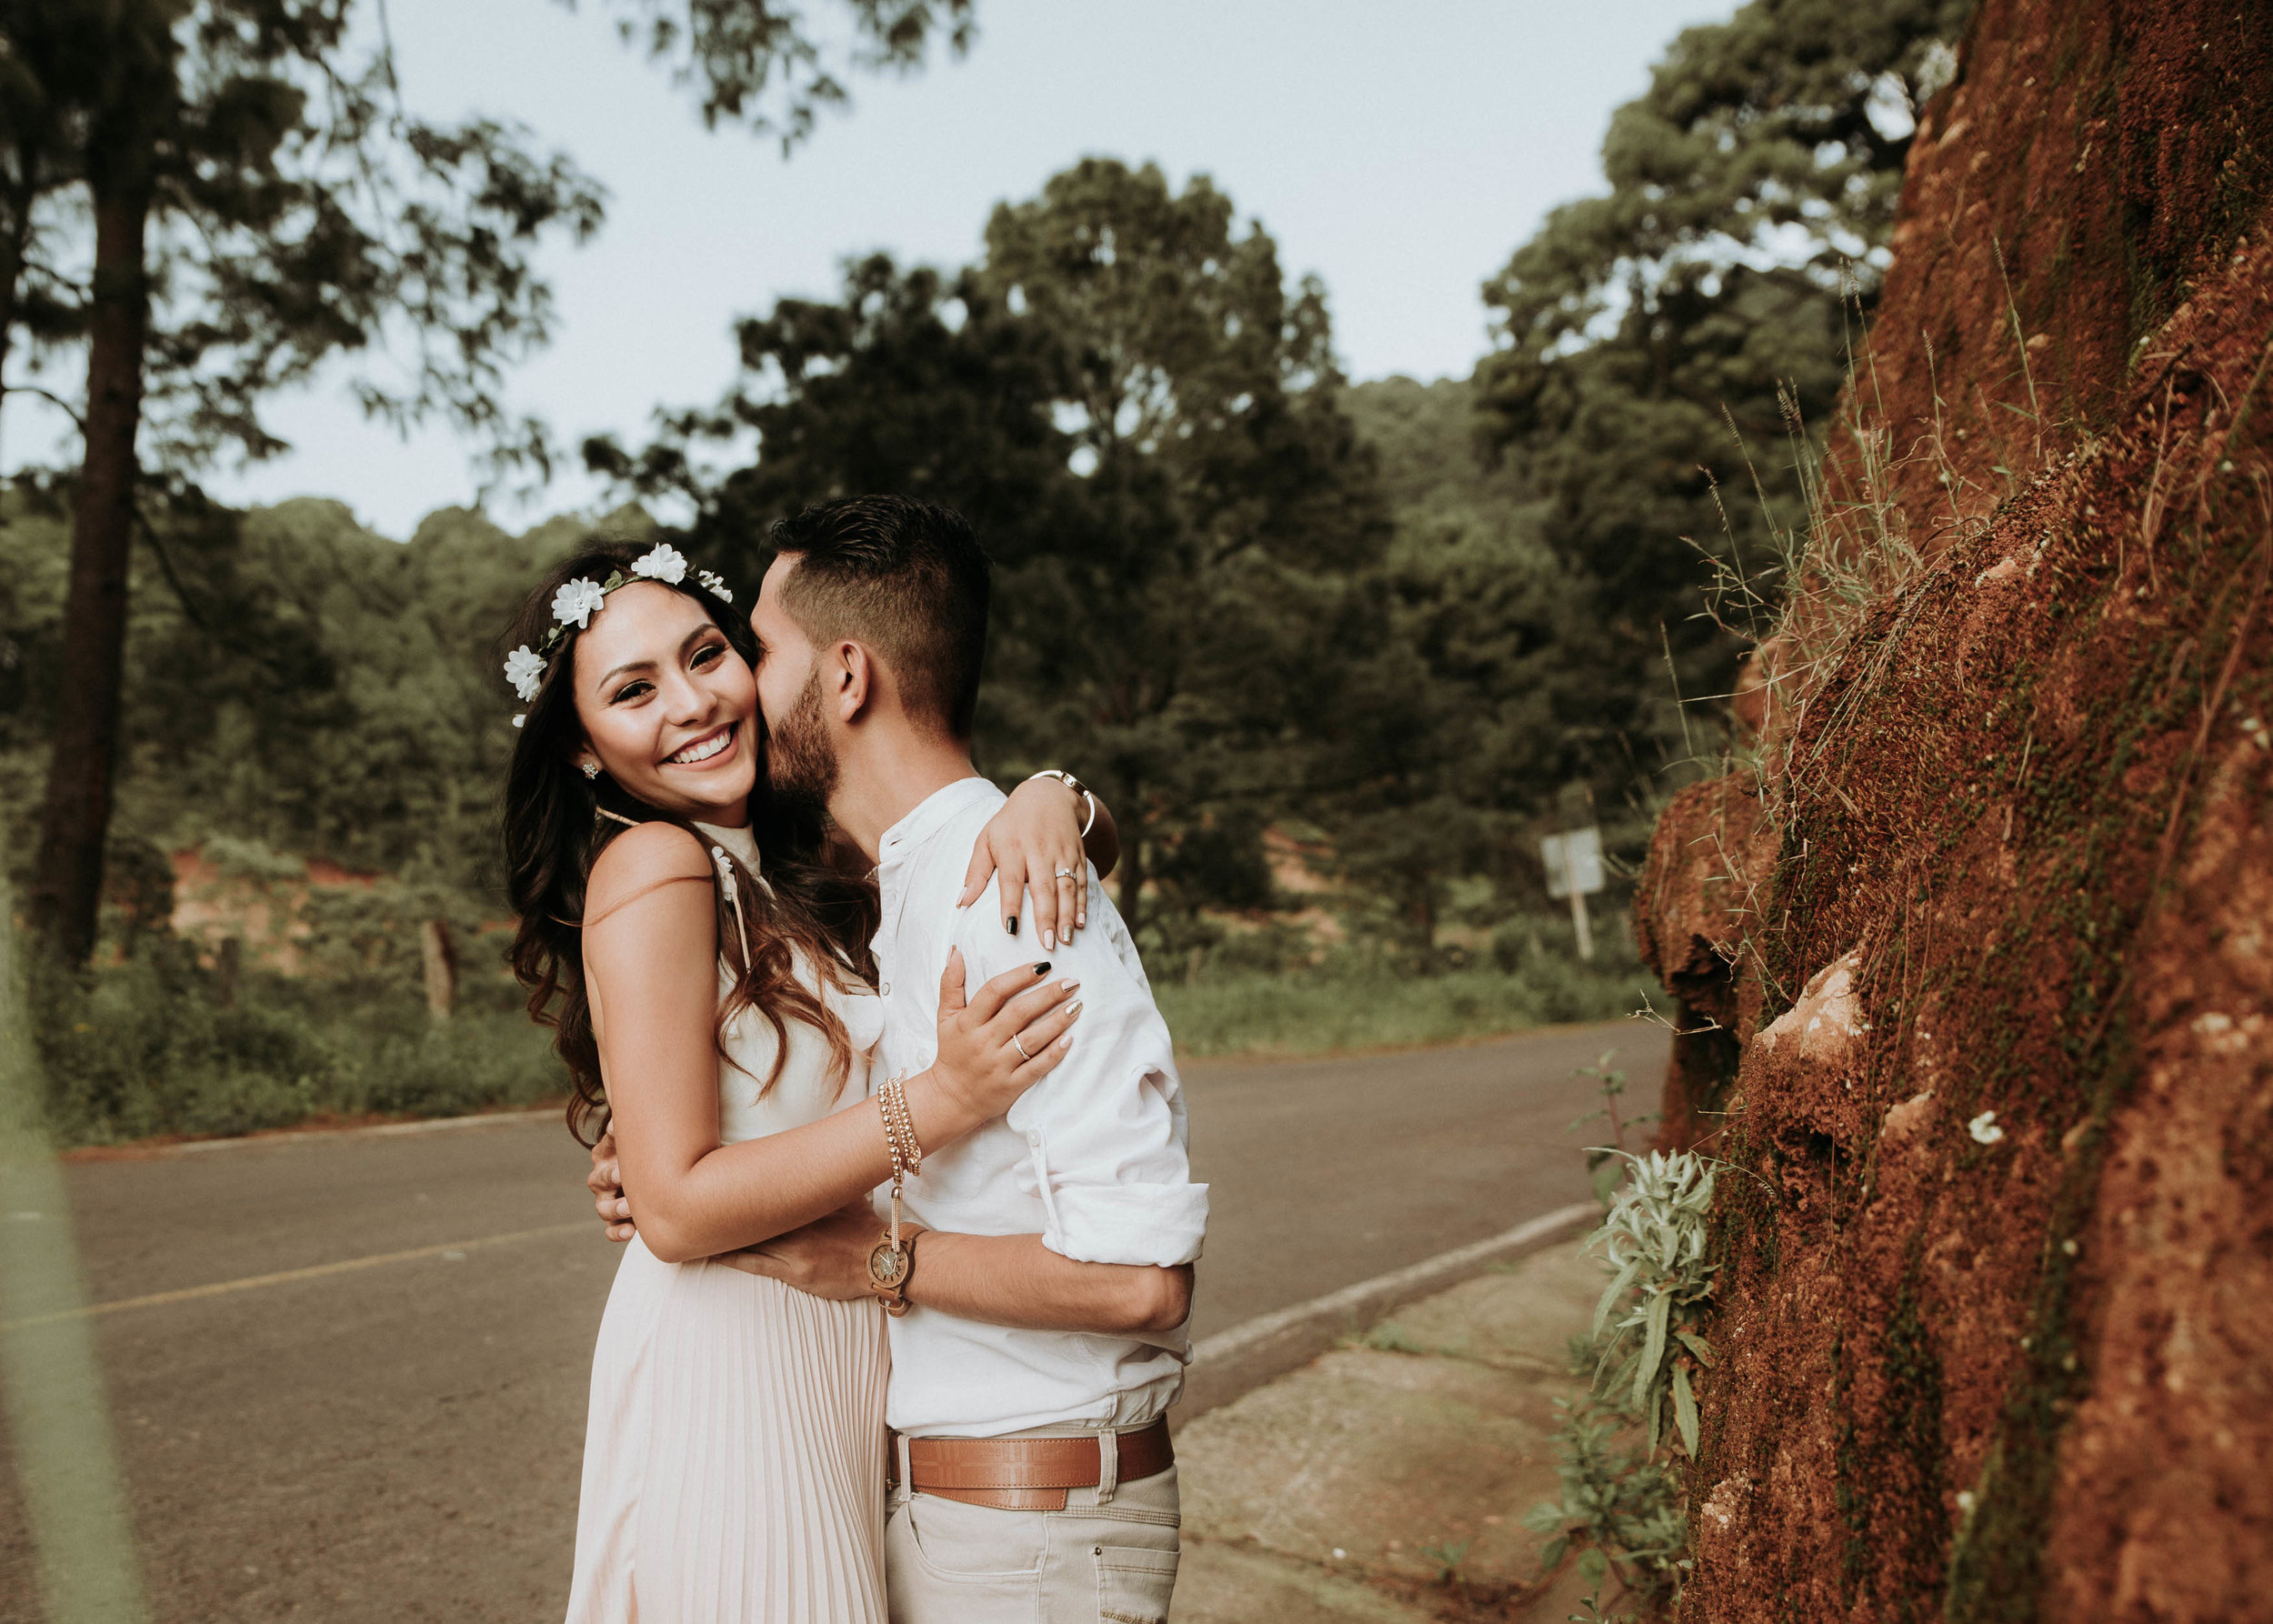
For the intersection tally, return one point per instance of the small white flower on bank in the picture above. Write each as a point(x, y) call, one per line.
point(524, 670)
point(1984, 1129)
point(573, 603)
point(716, 585)
point(666, 563)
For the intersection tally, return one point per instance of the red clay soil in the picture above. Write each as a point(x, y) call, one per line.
point(1989, 937)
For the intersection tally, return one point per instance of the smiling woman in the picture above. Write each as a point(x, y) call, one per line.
point(642, 709)
point(666, 705)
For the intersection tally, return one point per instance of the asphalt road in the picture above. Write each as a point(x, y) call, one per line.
point(401, 1441)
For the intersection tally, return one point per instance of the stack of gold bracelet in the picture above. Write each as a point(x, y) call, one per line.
point(889, 1262)
point(899, 1131)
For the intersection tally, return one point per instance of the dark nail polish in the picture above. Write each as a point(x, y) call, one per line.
point(1043, 969)
point(1011, 924)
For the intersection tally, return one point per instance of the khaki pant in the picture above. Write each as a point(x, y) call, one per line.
point(1104, 1560)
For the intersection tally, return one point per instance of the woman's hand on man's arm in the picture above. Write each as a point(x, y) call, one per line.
point(1034, 847)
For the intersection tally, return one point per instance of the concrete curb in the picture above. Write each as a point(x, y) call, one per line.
point(1234, 1361)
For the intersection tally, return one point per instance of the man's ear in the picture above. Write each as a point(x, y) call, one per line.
point(852, 676)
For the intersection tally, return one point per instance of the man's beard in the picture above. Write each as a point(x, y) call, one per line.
point(800, 761)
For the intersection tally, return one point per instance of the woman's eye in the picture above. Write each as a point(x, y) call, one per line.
point(632, 690)
point(707, 655)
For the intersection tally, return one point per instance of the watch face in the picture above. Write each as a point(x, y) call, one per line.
point(887, 1265)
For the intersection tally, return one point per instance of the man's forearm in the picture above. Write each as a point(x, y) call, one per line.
point(1016, 1280)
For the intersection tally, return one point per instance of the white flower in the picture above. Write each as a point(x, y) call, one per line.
point(518, 720)
point(666, 563)
point(715, 585)
point(1984, 1129)
point(573, 604)
point(524, 670)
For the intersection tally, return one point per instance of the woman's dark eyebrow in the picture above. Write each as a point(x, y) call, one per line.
point(627, 666)
point(692, 637)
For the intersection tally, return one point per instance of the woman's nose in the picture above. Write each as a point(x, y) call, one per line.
point(685, 700)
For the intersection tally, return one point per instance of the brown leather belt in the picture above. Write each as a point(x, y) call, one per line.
point(1026, 1474)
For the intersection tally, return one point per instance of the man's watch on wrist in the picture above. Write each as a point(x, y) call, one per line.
point(890, 1267)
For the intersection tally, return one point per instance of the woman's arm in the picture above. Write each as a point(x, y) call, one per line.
point(1037, 850)
point(650, 959)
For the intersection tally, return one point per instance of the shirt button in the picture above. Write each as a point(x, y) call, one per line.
point(887, 989)
point(1033, 1140)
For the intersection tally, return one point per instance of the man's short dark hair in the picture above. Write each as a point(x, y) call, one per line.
point(907, 579)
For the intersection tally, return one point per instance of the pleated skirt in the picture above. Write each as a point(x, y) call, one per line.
point(733, 1454)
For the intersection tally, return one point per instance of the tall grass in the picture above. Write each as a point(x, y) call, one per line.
point(1349, 1006)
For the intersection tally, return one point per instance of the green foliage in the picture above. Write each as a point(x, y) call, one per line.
point(1626, 1507)
point(1662, 344)
point(1606, 1165)
point(1653, 1238)
point(310, 688)
point(299, 212)
point(757, 63)
point(1389, 1337)
point(1363, 1004)
point(1147, 426)
point(1620, 1498)
point(1447, 1554)
point(149, 1048)
point(275, 248)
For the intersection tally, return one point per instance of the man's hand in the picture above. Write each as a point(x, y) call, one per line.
point(828, 1257)
point(605, 1182)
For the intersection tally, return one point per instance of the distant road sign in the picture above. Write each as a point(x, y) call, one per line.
point(1573, 862)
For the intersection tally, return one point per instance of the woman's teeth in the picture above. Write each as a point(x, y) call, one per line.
point(704, 749)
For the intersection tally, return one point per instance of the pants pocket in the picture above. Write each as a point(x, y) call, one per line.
point(1134, 1583)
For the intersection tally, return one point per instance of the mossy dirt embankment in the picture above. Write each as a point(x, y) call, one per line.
point(1977, 968)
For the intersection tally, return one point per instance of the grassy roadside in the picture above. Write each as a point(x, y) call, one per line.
point(144, 1051)
point(1257, 1014)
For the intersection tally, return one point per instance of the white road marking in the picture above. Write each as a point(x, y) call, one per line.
point(454, 1251)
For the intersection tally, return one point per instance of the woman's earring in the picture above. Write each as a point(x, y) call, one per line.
point(591, 769)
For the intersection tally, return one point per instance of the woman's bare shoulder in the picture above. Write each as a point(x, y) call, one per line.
point(638, 861)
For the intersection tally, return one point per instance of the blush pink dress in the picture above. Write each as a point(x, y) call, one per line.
point(734, 1453)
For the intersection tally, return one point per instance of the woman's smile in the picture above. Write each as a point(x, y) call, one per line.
point(714, 748)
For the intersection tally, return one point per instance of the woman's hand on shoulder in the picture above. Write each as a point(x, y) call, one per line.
point(1032, 846)
point(1003, 1038)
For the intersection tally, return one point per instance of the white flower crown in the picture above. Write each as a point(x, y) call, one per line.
point(577, 602)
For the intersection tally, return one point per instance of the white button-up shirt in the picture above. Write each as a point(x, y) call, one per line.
point(1092, 1158)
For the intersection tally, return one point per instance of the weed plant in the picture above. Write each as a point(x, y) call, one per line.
point(1621, 1497)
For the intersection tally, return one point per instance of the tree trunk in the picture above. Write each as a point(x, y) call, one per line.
point(67, 881)
point(14, 235)
point(438, 963)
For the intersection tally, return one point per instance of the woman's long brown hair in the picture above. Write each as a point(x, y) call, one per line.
point(553, 832)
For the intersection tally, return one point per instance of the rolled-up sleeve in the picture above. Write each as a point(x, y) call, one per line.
point(1106, 1131)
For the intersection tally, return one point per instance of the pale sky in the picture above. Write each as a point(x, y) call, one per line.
point(1401, 152)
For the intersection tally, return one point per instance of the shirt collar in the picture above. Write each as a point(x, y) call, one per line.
point(931, 814)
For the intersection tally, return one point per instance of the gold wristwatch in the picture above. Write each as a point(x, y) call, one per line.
point(890, 1267)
